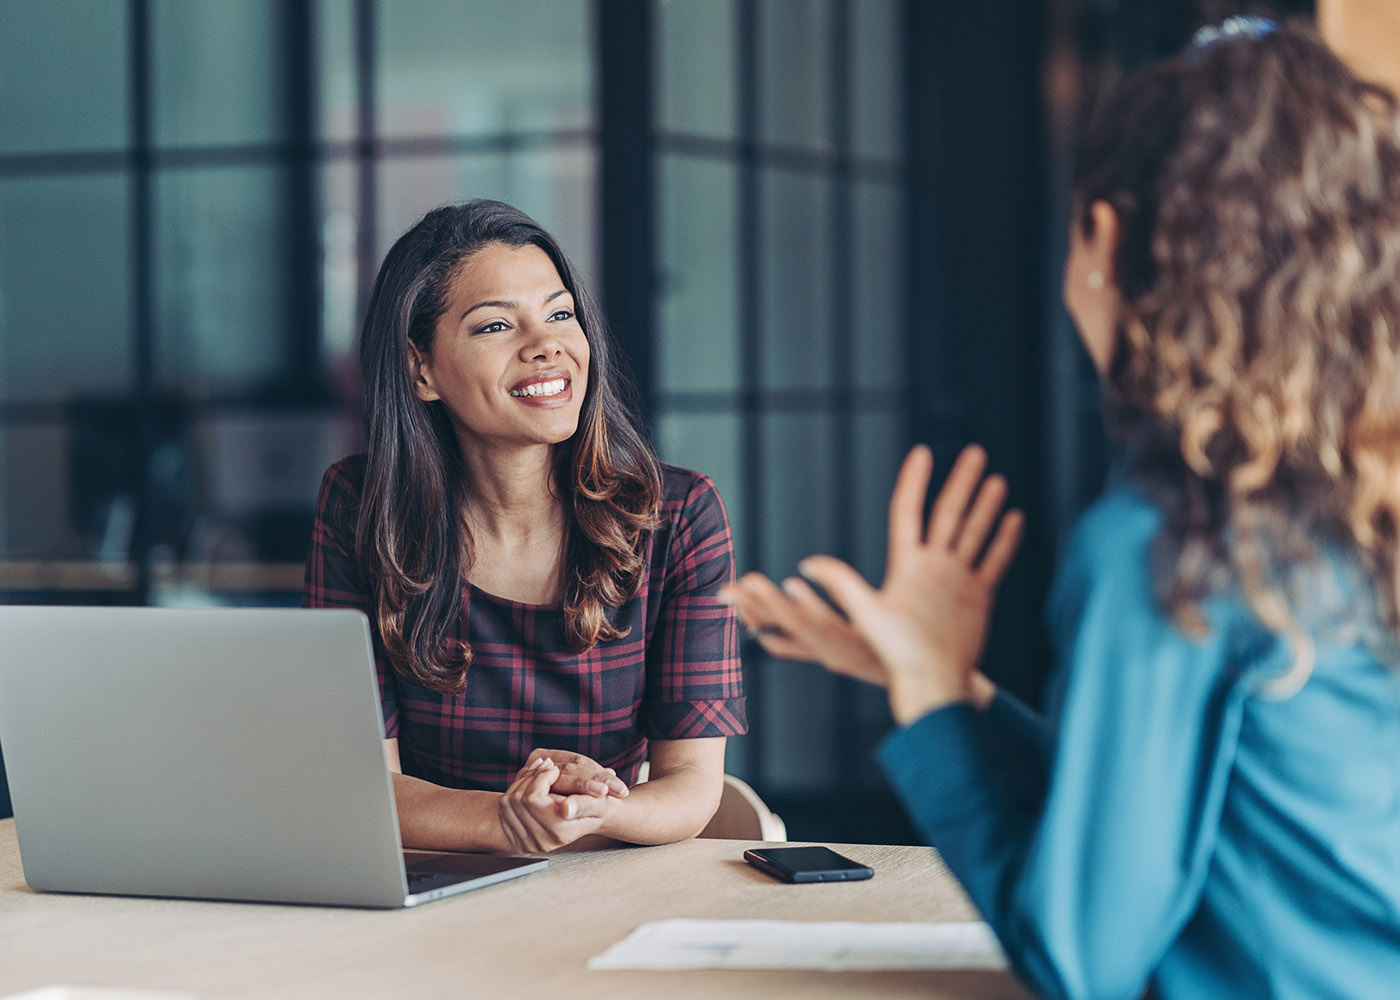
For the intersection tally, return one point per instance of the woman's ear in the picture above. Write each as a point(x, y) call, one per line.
point(421, 375)
point(1101, 243)
point(1090, 288)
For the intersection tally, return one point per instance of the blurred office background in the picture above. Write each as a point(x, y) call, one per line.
point(823, 229)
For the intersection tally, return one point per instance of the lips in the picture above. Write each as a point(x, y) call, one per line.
point(541, 385)
point(550, 388)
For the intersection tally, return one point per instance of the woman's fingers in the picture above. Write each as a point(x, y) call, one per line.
point(761, 605)
point(906, 531)
point(847, 588)
point(579, 774)
point(535, 819)
point(528, 793)
point(951, 505)
point(971, 536)
point(569, 807)
point(1002, 548)
point(816, 612)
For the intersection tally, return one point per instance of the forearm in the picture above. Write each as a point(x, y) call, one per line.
point(667, 808)
point(432, 817)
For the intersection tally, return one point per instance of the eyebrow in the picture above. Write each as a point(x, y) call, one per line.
point(509, 303)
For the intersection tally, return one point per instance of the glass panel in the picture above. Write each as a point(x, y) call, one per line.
point(65, 324)
point(798, 489)
point(799, 711)
point(795, 269)
point(259, 471)
point(794, 68)
point(453, 68)
point(695, 68)
point(710, 443)
point(219, 71)
point(46, 103)
point(880, 339)
point(556, 187)
point(698, 287)
point(337, 100)
point(798, 700)
point(222, 281)
point(877, 79)
point(879, 448)
point(35, 473)
point(340, 308)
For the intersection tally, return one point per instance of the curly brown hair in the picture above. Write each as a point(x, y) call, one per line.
point(1255, 375)
point(411, 534)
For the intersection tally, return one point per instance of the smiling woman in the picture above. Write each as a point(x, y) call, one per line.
point(534, 577)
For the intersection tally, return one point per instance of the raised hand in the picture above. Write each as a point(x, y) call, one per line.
point(927, 624)
point(795, 624)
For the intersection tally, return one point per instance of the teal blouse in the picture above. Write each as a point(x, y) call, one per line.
point(1176, 825)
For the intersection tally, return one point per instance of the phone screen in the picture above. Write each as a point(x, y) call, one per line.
point(807, 864)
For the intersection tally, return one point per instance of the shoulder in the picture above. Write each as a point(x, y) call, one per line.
point(1115, 533)
point(1108, 555)
point(687, 494)
point(692, 520)
point(341, 486)
point(348, 474)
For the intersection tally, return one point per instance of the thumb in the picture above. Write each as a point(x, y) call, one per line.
point(846, 588)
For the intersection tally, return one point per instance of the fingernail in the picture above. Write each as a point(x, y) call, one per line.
point(790, 585)
point(725, 595)
point(570, 809)
point(804, 567)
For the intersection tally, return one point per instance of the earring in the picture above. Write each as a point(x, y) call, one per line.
point(1095, 280)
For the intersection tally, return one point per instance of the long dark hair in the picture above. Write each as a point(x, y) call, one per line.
point(1255, 375)
point(411, 536)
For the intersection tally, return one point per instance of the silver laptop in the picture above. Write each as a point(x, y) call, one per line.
point(216, 754)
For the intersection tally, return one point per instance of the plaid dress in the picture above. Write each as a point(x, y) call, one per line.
point(675, 675)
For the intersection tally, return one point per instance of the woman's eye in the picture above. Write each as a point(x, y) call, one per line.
point(495, 326)
point(562, 314)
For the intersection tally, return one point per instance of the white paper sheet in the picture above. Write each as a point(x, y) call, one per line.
point(796, 944)
point(97, 993)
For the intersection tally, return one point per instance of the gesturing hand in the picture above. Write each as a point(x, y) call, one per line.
point(927, 624)
point(795, 624)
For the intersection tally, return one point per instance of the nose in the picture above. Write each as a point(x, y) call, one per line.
point(539, 343)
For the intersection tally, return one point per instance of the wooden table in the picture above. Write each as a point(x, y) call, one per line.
point(521, 940)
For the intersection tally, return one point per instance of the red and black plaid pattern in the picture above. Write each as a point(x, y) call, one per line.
point(675, 675)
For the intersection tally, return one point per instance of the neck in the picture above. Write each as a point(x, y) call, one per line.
point(512, 494)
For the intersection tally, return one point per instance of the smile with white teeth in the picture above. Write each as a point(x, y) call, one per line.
point(551, 388)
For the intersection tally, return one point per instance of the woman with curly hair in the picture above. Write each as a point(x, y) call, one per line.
point(541, 590)
point(1211, 807)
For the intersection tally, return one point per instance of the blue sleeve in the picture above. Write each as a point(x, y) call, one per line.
point(1088, 876)
point(1022, 736)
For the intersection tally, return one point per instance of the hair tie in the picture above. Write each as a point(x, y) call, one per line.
point(1239, 26)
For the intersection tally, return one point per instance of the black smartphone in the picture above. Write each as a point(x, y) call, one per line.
point(807, 864)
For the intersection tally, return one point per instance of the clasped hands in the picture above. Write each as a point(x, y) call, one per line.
point(556, 798)
point(922, 633)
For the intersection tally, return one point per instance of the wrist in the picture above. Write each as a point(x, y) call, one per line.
point(484, 826)
point(983, 690)
point(917, 693)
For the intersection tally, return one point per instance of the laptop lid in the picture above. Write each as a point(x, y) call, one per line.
point(220, 754)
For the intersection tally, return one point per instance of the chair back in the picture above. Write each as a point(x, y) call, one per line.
point(742, 815)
